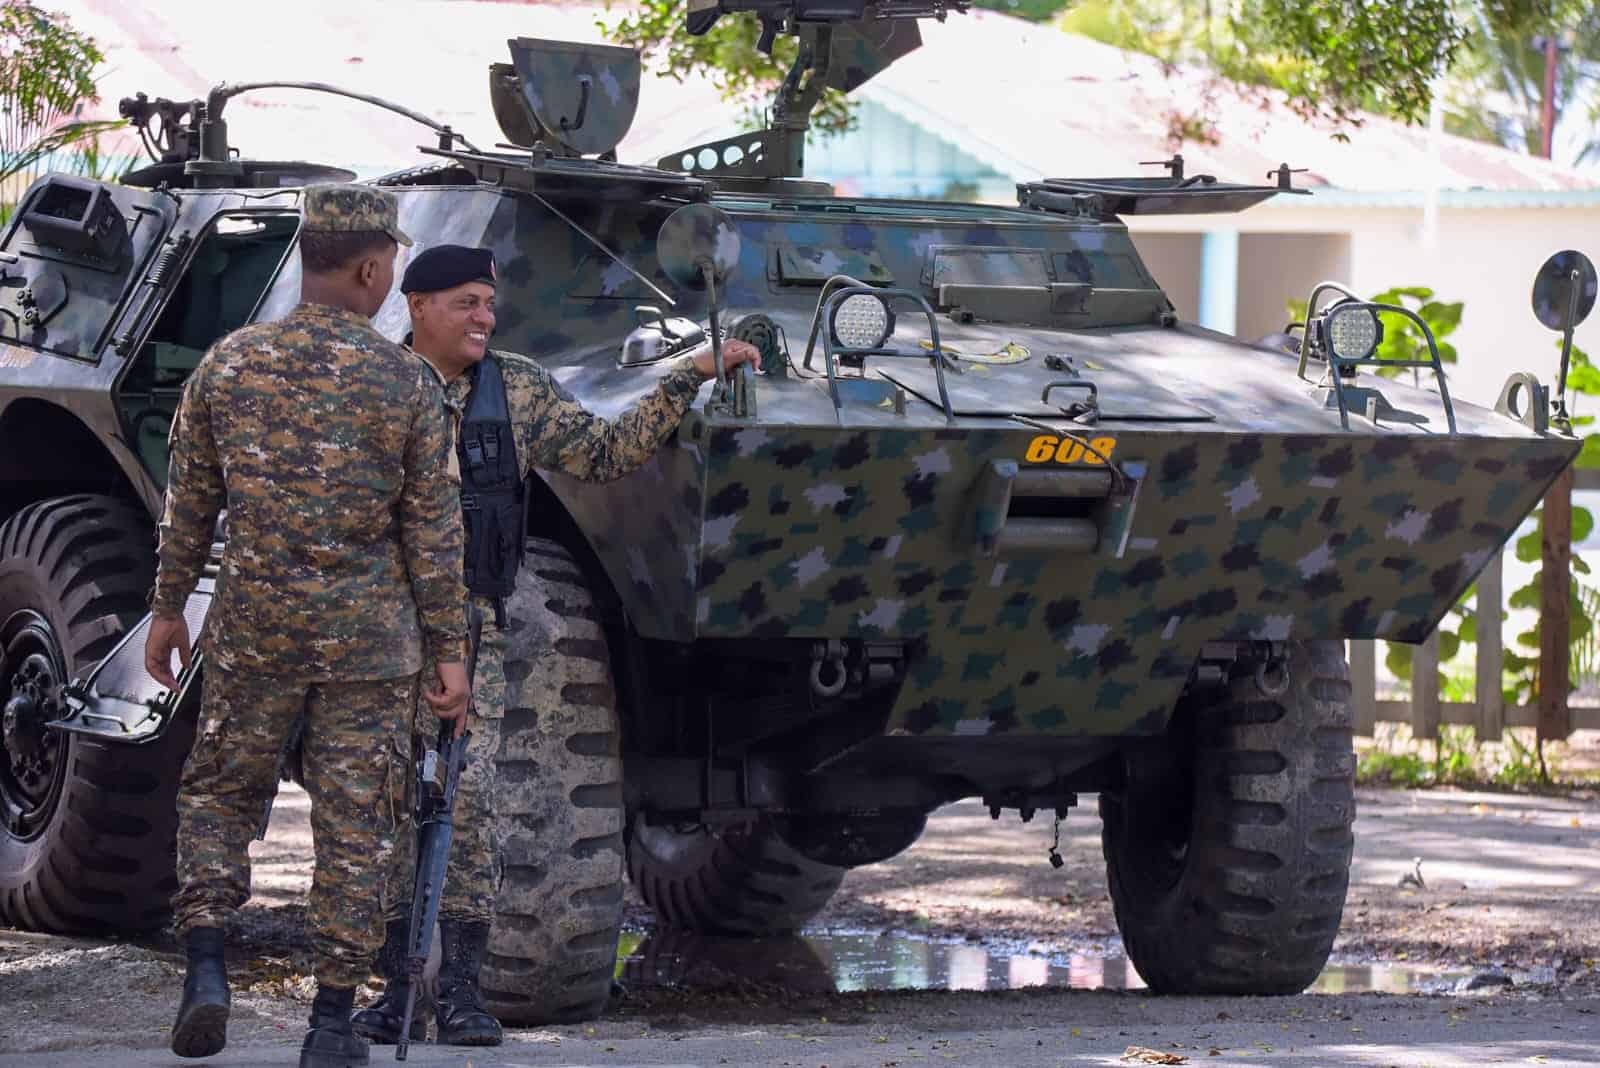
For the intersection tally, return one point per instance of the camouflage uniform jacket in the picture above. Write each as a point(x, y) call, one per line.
point(327, 445)
point(553, 430)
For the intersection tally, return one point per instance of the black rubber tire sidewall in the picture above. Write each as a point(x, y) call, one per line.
point(1258, 903)
point(105, 859)
point(558, 913)
point(743, 881)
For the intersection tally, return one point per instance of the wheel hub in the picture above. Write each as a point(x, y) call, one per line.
point(29, 743)
point(32, 670)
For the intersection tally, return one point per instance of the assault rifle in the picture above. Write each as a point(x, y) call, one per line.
point(434, 811)
point(783, 16)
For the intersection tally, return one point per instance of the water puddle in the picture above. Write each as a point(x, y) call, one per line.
point(844, 962)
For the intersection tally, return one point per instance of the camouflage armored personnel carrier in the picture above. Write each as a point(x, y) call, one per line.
point(990, 522)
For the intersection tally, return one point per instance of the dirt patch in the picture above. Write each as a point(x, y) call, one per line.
point(76, 994)
point(1505, 882)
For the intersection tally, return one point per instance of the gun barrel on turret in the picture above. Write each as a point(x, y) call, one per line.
point(783, 16)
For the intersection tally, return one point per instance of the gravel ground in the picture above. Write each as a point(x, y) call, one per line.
point(1508, 883)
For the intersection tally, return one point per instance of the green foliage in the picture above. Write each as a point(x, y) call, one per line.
point(1495, 91)
point(1523, 765)
point(1457, 758)
point(727, 52)
point(1522, 659)
point(1332, 59)
point(1454, 630)
point(1372, 56)
point(46, 70)
point(1402, 340)
point(1032, 10)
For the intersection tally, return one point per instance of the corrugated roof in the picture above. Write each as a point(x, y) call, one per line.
point(1028, 99)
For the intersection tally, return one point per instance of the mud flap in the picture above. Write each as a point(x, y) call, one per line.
point(118, 701)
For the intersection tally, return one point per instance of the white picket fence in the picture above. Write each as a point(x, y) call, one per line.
point(1488, 712)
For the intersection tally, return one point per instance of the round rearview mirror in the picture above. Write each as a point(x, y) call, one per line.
point(1565, 275)
point(695, 237)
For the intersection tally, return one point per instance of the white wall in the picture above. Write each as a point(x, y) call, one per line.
point(1174, 260)
point(1275, 268)
point(1484, 257)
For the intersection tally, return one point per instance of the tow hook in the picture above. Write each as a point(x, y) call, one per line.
point(1272, 671)
point(828, 675)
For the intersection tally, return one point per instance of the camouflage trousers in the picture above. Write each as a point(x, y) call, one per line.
point(473, 875)
point(354, 760)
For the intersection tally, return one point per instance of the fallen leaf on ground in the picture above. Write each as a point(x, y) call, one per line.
point(1145, 1055)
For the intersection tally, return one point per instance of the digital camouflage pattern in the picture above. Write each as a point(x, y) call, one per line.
point(472, 876)
point(551, 431)
point(582, 96)
point(354, 759)
point(329, 448)
point(1255, 517)
point(351, 208)
point(555, 431)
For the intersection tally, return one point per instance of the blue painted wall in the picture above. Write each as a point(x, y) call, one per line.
point(887, 156)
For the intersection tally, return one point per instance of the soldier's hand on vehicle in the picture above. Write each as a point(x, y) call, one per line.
point(167, 634)
point(449, 700)
point(734, 353)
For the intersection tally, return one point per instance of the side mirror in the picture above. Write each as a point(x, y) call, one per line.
point(698, 248)
point(1563, 297)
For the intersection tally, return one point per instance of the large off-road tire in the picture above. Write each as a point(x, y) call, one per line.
point(558, 794)
point(87, 841)
point(738, 881)
point(1228, 861)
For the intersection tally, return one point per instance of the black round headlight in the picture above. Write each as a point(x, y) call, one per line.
point(1351, 331)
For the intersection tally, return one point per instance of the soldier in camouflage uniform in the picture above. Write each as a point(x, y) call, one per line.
point(328, 447)
point(450, 291)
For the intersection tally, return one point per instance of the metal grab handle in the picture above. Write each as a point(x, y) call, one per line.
point(830, 354)
point(1311, 314)
point(1094, 391)
point(828, 287)
point(584, 82)
point(1334, 362)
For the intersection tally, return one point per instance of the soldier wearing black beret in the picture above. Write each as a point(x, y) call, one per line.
point(510, 416)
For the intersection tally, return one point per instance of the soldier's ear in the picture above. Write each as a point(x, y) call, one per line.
point(368, 270)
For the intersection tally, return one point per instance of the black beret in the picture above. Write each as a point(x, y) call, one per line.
point(447, 266)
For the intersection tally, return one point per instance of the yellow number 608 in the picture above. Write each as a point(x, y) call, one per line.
point(1047, 447)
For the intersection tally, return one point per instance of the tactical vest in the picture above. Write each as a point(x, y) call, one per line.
point(493, 495)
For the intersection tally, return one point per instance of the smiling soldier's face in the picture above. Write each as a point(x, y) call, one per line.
point(452, 326)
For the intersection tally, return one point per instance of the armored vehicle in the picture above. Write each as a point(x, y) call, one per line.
point(990, 521)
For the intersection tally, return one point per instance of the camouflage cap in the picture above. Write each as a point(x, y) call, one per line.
point(345, 208)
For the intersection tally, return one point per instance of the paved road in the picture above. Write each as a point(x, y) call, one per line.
point(1378, 1031)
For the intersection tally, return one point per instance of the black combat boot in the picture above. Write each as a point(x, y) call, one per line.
point(380, 1024)
point(331, 1043)
point(202, 1026)
point(463, 1020)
